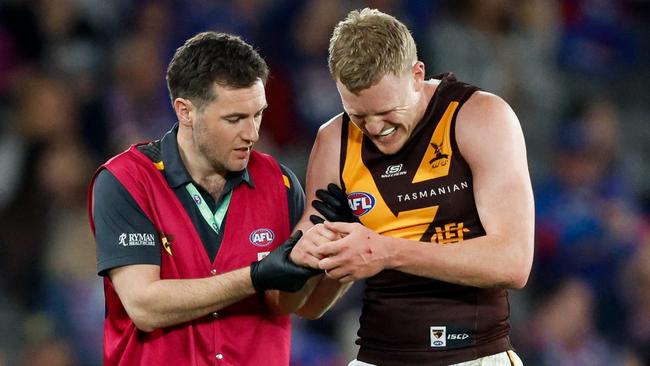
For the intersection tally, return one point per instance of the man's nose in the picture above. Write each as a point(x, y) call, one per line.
point(250, 131)
point(374, 125)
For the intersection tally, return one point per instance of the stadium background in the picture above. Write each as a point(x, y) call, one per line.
point(82, 79)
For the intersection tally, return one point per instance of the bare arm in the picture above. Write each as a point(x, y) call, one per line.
point(490, 139)
point(322, 169)
point(154, 303)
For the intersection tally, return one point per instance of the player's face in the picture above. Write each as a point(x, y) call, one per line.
point(386, 112)
point(226, 129)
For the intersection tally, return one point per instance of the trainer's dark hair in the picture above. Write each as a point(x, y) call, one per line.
point(209, 58)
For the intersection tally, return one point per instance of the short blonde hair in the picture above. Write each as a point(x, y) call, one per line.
point(367, 45)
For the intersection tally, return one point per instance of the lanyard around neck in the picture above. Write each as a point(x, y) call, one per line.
point(214, 220)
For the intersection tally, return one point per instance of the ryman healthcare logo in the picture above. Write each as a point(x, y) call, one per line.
point(262, 237)
point(137, 239)
point(361, 203)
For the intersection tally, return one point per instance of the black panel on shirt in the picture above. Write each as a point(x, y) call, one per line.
point(122, 208)
point(295, 197)
point(115, 214)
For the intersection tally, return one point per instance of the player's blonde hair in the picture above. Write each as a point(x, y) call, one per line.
point(367, 45)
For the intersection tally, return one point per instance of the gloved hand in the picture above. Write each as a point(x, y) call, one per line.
point(276, 271)
point(333, 205)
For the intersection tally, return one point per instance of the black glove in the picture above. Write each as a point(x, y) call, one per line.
point(333, 205)
point(276, 271)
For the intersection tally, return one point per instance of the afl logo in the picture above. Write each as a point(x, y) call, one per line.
point(262, 237)
point(361, 203)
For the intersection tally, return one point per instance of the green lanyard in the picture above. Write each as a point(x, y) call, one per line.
point(215, 220)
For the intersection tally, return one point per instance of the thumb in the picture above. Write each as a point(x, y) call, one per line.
point(296, 236)
point(339, 227)
point(293, 239)
point(286, 247)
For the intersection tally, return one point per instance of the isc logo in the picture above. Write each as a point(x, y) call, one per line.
point(262, 237)
point(459, 336)
point(361, 203)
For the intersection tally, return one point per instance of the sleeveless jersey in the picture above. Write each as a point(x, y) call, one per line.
point(244, 333)
point(424, 192)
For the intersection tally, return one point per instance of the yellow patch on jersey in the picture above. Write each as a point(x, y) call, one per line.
point(435, 163)
point(287, 181)
point(159, 165)
point(167, 244)
point(452, 232)
point(409, 224)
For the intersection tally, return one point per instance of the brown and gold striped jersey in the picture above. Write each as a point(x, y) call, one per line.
point(424, 192)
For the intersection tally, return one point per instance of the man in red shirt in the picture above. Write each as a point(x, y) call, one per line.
point(184, 225)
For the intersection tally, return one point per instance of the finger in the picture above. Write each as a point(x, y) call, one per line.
point(329, 199)
point(310, 262)
point(336, 273)
point(324, 210)
point(346, 278)
point(317, 240)
point(340, 227)
point(317, 234)
point(292, 241)
point(296, 236)
point(315, 219)
point(303, 255)
point(327, 234)
point(337, 192)
point(329, 263)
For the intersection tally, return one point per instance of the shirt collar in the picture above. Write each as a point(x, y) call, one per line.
point(175, 171)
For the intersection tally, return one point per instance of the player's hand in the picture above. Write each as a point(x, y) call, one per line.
point(360, 253)
point(276, 271)
point(304, 252)
point(333, 205)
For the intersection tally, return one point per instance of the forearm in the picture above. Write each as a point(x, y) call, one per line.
point(487, 261)
point(325, 294)
point(163, 303)
point(281, 302)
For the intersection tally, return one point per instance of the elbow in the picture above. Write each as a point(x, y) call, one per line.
point(518, 267)
point(310, 314)
point(517, 278)
point(144, 322)
point(144, 319)
point(509, 281)
point(144, 326)
point(518, 282)
point(311, 311)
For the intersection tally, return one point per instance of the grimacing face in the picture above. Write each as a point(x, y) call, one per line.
point(385, 112)
point(226, 129)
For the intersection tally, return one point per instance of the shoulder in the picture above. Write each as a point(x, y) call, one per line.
point(323, 166)
point(485, 109)
point(331, 130)
point(110, 195)
point(485, 116)
point(326, 148)
point(290, 178)
point(128, 162)
point(487, 128)
point(105, 179)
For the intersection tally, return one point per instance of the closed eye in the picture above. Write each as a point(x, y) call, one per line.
point(233, 119)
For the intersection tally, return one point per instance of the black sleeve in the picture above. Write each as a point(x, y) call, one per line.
point(123, 233)
point(296, 197)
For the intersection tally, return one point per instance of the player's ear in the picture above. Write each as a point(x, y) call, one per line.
point(184, 109)
point(419, 73)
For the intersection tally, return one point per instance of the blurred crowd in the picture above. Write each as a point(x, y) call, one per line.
point(80, 80)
